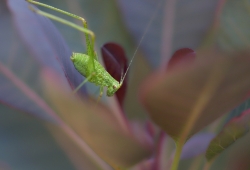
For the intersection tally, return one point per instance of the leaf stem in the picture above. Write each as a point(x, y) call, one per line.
point(177, 156)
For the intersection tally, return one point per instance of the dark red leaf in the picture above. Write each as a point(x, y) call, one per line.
point(116, 64)
point(181, 57)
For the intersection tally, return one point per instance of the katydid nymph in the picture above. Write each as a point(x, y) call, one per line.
point(87, 64)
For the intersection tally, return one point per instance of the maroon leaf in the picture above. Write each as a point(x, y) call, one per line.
point(116, 64)
point(183, 56)
point(221, 82)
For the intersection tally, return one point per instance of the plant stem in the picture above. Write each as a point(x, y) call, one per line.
point(177, 156)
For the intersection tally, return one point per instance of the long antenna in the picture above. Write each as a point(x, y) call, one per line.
point(143, 35)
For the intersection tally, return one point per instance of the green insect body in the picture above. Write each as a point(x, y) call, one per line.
point(100, 77)
point(86, 64)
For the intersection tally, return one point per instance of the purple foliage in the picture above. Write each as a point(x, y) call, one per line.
point(196, 145)
point(31, 42)
point(44, 41)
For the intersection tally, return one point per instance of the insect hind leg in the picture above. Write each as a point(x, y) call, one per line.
point(84, 29)
point(90, 45)
point(84, 82)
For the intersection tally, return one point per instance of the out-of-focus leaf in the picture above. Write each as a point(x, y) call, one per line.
point(30, 43)
point(162, 159)
point(177, 24)
point(196, 145)
point(24, 50)
point(81, 159)
point(96, 125)
point(171, 98)
point(145, 165)
point(241, 162)
point(234, 157)
point(116, 64)
point(237, 156)
point(44, 41)
point(232, 131)
point(151, 129)
point(4, 166)
point(183, 56)
point(234, 26)
point(26, 144)
point(238, 110)
point(234, 35)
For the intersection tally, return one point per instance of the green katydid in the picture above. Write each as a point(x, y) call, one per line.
point(87, 64)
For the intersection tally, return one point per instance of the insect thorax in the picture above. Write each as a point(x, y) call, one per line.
point(100, 76)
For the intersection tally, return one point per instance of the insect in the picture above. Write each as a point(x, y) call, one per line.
point(86, 64)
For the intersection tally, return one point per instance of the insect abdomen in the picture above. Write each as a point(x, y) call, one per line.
point(80, 62)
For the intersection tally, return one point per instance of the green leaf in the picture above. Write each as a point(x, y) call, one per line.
point(234, 130)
